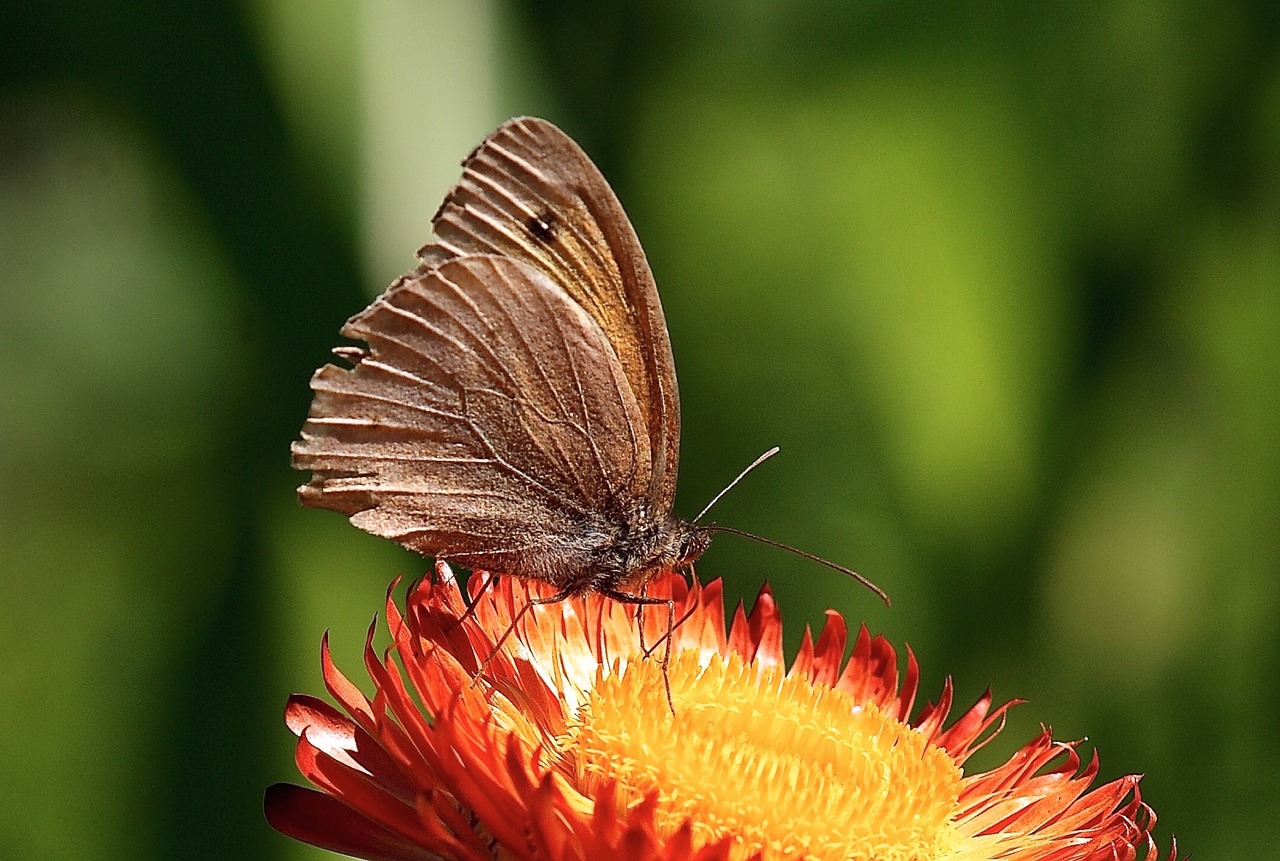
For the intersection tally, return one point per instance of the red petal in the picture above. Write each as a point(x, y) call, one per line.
point(958, 739)
point(828, 654)
point(359, 790)
point(323, 821)
point(740, 636)
point(481, 775)
point(709, 604)
point(336, 735)
point(452, 830)
point(932, 715)
point(802, 665)
point(910, 684)
point(551, 833)
point(341, 687)
point(871, 676)
point(765, 622)
point(303, 711)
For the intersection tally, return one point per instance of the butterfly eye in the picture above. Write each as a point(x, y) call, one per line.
point(543, 226)
point(694, 545)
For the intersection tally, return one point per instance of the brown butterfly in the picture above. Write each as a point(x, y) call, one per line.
point(515, 409)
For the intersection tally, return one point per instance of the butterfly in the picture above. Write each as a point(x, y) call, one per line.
point(514, 408)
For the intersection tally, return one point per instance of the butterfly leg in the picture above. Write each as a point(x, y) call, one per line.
point(645, 601)
point(644, 590)
point(473, 601)
point(515, 622)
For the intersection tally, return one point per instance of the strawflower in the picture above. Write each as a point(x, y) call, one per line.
point(563, 744)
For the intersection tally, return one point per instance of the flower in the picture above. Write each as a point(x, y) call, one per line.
point(578, 736)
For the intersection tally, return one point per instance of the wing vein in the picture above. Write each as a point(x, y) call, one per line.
point(538, 439)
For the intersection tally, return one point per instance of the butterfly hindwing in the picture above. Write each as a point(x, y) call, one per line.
point(489, 420)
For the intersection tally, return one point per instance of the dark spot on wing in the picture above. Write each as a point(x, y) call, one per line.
point(543, 226)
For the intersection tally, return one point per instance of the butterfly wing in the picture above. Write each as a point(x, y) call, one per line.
point(528, 192)
point(488, 421)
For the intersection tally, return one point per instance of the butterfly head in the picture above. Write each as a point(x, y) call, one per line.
point(694, 542)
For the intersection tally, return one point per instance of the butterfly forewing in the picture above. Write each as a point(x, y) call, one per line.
point(488, 421)
point(529, 193)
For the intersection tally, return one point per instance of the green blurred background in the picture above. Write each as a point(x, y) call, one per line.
point(1001, 279)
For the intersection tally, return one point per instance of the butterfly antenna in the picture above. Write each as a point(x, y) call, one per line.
point(761, 459)
point(843, 570)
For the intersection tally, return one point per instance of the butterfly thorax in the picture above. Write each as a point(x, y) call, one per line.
point(633, 548)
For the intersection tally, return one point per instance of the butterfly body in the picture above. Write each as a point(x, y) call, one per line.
point(515, 406)
point(631, 549)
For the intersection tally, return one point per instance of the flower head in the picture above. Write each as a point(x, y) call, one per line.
point(574, 741)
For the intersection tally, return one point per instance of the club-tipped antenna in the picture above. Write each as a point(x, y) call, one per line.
point(728, 487)
point(811, 557)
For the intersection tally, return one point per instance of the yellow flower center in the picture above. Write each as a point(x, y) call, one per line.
point(788, 768)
